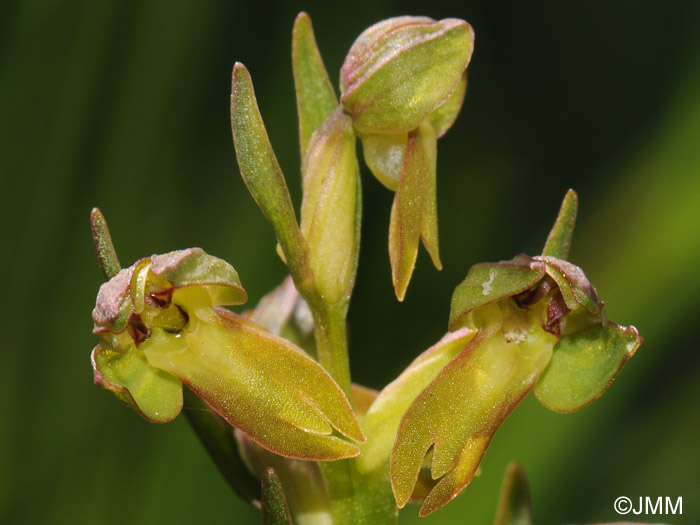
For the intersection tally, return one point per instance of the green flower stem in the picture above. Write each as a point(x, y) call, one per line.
point(330, 331)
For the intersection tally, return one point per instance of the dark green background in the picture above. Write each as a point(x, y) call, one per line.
point(124, 105)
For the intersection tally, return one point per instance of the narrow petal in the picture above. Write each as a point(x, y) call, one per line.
point(259, 383)
point(275, 510)
point(488, 283)
point(154, 394)
point(315, 95)
point(106, 255)
point(514, 507)
point(261, 171)
point(559, 239)
point(429, 221)
point(407, 213)
point(584, 365)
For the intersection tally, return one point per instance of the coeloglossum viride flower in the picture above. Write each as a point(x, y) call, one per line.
point(161, 325)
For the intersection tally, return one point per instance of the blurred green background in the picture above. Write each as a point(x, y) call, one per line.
point(124, 105)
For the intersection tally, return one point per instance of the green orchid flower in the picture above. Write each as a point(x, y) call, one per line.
point(529, 323)
point(403, 84)
point(161, 325)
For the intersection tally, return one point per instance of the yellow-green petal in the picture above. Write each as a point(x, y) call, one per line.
point(154, 394)
point(584, 365)
point(384, 154)
point(444, 116)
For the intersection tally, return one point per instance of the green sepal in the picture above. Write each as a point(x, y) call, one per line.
point(314, 92)
point(488, 283)
point(444, 116)
point(328, 210)
point(273, 502)
point(514, 507)
point(154, 394)
point(194, 267)
point(575, 287)
point(104, 248)
point(400, 71)
point(414, 200)
point(559, 239)
point(584, 365)
point(262, 174)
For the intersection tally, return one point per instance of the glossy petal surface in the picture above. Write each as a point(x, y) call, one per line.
point(315, 95)
point(584, 365)
point(154, 394)
point(399, 73)
point(258, 382)
point(384, 154)
point(488, 283)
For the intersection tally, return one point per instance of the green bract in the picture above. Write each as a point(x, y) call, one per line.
point(160, 325)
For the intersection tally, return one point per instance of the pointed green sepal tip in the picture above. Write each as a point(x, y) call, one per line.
point(261, 171)
point(154, 395)
point(514, 507)
point(559, 239)
point(104, 248)
point(488, 283)
point(584, 365)
point(401, 70)
point(314, 92)
point(273, 501)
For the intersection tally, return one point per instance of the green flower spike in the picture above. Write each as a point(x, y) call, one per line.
point(535, 323)
point(161, 325)
point(403, 83)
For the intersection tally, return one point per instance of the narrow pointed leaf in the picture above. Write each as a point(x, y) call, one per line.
point(315, 95)
point(384, 154)
point(273, 501)
point(261, 171)
point(394, 77)
point(458, 413)
point(491, 282)
point(444, 116)
point(384, 415)
point(328, 212)
point(429, 221)
point(407, 212)
point(154, 394)
point(559, 239)
point(106, 255)
point(218, 437)
point(259, 383)
point(575, 287)
point(514, 507)
point(584, 365)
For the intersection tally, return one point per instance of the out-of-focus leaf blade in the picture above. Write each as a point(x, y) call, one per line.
point(444, 116)
point(261, 172)
point(260, 384)
point(491, 282)
point(328, 212)
point(273, 501)
point(584, 365)
point(154, 394)
point(315, 95)
point(393, 79)
point(514, 507)
point(559, 239)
